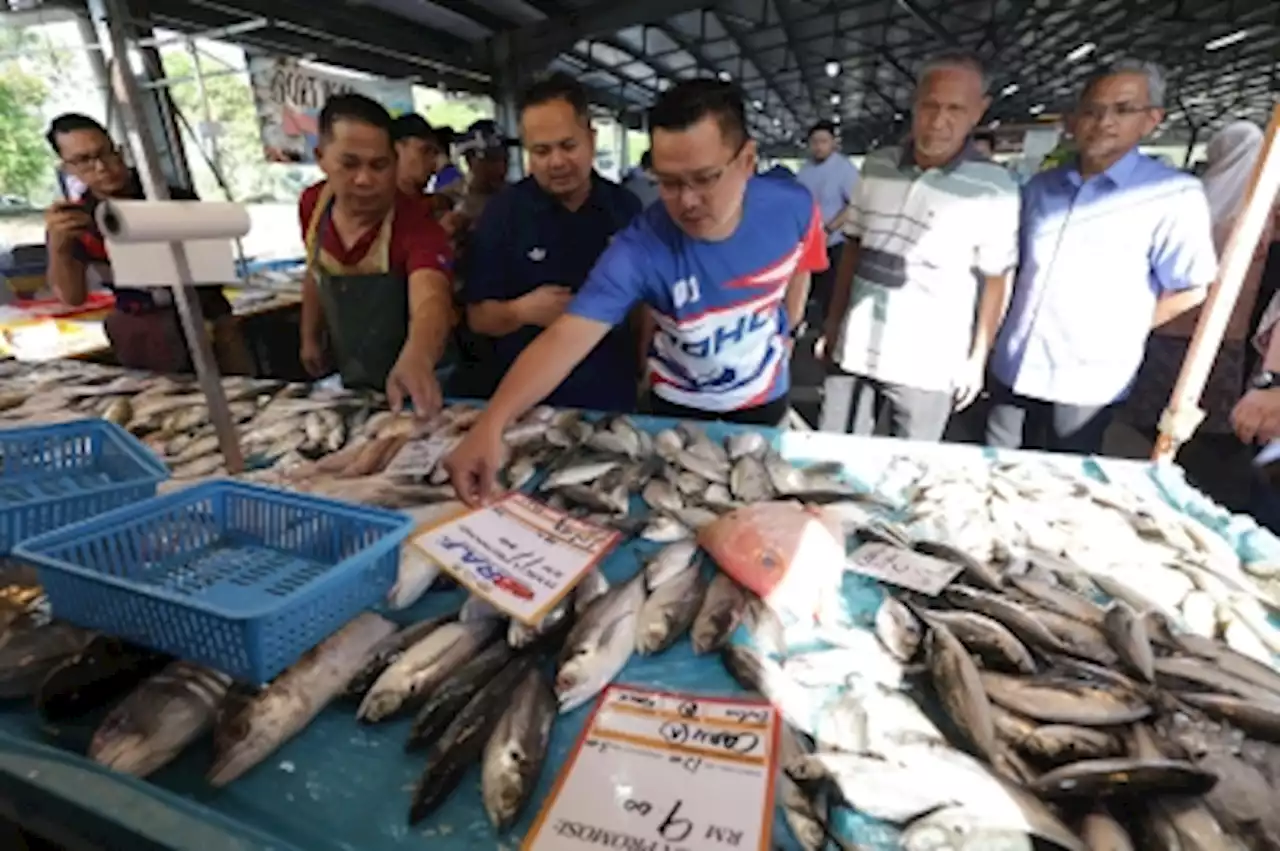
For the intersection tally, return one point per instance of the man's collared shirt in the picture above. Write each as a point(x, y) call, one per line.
point(1096, 256)
point(417, 241)
point(927, 237)
point(527, 239)
point(720, 343)
point(832, 183)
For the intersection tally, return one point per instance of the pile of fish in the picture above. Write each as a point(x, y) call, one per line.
point(1105, 537)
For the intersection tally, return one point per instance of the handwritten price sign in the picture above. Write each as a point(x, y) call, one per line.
point(518, 554)
point(681, 772)
point(903, 568)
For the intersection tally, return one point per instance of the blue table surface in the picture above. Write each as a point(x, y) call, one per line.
point(340, 786)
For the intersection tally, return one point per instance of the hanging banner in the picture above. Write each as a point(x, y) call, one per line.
point(289, 97)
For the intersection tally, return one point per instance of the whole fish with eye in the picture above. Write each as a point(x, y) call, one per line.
point(159, 719)
point(247, 735)
point(600, 643)
point(722, 609)
point(447, 699)
point(388, 651)
point(669, 611)
point(31, 650)
point(101, 674)
point(513, 756)
point(423, 666)
point(463, 741)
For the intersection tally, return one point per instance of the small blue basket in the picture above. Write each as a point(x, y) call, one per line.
point(54, 475)
point(239, 577)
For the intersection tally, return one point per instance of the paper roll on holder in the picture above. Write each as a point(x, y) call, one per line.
point(168, 243)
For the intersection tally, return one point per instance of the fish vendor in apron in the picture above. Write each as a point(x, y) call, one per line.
point(144, 328)
point(379, 267)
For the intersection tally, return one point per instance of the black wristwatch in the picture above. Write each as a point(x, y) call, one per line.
point(1265, 380)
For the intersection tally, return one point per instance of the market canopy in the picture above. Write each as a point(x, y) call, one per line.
point(799, 62)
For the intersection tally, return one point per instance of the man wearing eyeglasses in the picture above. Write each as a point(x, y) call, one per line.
point(723, 265)
point(1113, 244)
point(143, 329)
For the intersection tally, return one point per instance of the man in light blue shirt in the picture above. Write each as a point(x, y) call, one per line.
point(1112, 244)
point(830, 178)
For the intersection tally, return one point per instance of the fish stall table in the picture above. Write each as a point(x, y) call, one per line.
point(342, 786)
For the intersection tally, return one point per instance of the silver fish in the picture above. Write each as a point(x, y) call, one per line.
point(898, 629)
point(522, 634)
point(1020, 620)
point(701, 466)
point(1012, 822)
point(1128, 635)
point(805, 815)
point(662, 496)
point(723, 607)
point(668, 444)
point(718, 498)
point(159, 719)
point(746, 444)
point(988, 638)
point(697, 442)
point(388, 651)
point(244, 738)
point(957, 681)
point(749, 481)
point(671, 561)
point(588, 590)
point(578, 474)
point(599, 644)
point(514, 754)
point(669, 611)
point(664, 529)
point(689, 484)
point(1062, 701)
point(424, 666)
point(1060, 600)
point(695, 517)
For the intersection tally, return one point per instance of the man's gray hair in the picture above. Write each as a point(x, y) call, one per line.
point(1156, 84)
point(955, 59)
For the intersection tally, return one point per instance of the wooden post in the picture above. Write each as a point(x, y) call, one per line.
point(1183, 415)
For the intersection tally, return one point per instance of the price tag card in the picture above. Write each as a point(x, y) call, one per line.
point(668, 771)
point(419, 457)
point(518, 554)
point(904, 568)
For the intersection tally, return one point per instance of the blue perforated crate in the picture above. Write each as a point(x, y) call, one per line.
point(239, 577)
point(54, 475)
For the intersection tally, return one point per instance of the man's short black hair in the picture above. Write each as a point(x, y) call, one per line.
point(820, 127)
point(688, 102)
point(646, 160)
point(557, 86)
point(354, 107)
point(70, 122)
point(411, 125)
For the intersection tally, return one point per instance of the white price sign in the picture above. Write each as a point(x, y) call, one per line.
point(518, 554)
point(903, 568)
point(420, 457)
point(669, 771)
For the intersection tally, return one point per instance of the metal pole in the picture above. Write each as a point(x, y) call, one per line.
point(108, 17)
point(207, 138)
point(100, 76)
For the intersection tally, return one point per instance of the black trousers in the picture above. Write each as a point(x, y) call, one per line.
point(854, 404)
point(1019, 422)
point(768, 414)
point(821, 289)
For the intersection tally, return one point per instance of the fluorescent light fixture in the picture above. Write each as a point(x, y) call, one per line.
point(835, 119)
point(1036, 109)
point(664, 84)
point(1081, 52)
point(1227, 40)
point(724, 76)
point(835, 98)
point(897, 116)
point(757, 104)
point(1010, 89)
point(994, 123)
point(833, 68)
point(777, 122)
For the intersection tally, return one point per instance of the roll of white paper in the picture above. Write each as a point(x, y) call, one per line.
point(171, 221)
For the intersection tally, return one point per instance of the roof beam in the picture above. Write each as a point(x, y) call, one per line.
point(766, 74)
point(915, 10)
point(806, 71)
point(536, 43)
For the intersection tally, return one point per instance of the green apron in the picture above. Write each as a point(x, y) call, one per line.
point(366, 305)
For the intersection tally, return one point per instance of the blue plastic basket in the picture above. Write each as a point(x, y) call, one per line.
point(239, 577)
point(54, 475)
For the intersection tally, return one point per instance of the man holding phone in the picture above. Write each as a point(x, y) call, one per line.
point(143, 329)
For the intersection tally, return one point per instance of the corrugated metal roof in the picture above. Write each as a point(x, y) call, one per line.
point(779, 50)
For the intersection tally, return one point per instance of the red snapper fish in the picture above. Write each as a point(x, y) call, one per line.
point(791, 555)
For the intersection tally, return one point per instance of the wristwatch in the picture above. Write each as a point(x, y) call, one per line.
point(1265, 380)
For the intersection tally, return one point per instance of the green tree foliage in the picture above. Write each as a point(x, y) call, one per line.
point(24, 160)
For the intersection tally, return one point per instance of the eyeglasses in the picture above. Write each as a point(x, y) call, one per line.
point(702, 183)
point(1100, 111)
point(85, 162)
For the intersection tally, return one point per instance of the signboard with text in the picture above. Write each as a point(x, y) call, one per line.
point(290, 95)
point(518, 554)
point(669, 771)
